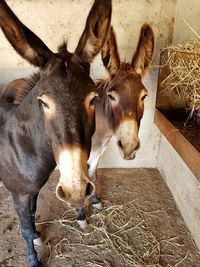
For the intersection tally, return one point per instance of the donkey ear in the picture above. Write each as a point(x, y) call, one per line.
point(23, 40)
point(110, 55)
point(96, 30)
point(144, 52)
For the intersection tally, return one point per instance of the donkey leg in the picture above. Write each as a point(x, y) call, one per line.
point(81, 217)
point(37, 240)
point(80, 211)
point(23, 208)
point(95, 201)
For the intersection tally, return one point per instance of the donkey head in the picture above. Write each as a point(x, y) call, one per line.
point(124, 93)
point(65, 93)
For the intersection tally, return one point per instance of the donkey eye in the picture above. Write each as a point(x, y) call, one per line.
point(111, 98)
point(43, 104)
point(93, 100)
point(48, 104)
point(143, 97)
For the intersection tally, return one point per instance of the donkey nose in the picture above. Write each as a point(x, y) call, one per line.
point(62, 193)
point(130, 156)
point(138, 145)
point(129, 150)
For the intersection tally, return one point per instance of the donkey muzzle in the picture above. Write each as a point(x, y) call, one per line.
point(75, 193)
point(73, 181)
point(128, 151)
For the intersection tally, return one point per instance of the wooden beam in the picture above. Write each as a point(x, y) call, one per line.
point(183, 147)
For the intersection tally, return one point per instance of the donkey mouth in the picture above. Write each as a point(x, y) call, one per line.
point(129, 156)
point(127, 153)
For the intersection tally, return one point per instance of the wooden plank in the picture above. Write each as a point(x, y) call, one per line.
point(183, 147)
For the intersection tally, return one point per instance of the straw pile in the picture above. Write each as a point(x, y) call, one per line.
point(184, 78)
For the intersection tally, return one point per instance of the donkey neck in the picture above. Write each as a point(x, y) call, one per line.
point(103, 131)
point(28, 115)
point(104, 109)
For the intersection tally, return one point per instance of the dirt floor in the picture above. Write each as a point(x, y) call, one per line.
point(138, 226)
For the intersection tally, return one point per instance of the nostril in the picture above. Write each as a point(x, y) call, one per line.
point(133, 156)
point(138, 146)
point(120, 144)
point(62, 194)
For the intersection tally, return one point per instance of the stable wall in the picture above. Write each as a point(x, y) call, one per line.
point(186, 12)
point(181, 181)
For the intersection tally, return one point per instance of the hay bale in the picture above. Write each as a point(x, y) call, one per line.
point(180, 78)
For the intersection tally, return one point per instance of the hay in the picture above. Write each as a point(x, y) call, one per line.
point(184, 78)
point(113, 236)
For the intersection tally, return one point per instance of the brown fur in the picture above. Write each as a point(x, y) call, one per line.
point(89, 45)
point(110, 55)
point(36, 52)
point(121, 106)
point(125, 78)
point(144, 52)
point(8, 92)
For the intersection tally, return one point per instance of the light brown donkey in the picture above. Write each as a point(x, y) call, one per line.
point(121, 105)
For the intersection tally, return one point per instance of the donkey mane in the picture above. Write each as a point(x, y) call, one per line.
point(23, 91)
point(124, 66)
point(62, 48)
point(101, 85)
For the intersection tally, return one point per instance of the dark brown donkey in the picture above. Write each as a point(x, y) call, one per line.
point(54, 122)
point(121, 104)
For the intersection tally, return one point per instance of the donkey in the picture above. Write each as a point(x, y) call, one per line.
point(121, 104)
point(119, 108)
point(9, 92)
point(55, 120)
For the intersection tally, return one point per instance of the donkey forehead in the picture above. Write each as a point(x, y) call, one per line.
point(66, 75)
point(127, 83)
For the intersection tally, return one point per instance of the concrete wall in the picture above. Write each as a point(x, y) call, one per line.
point(186, 11)
point(183, 185)
point(56, 20)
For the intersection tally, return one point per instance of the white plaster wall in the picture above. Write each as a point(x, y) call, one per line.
point(56, 20)
point(188, 11)
point(182, 183)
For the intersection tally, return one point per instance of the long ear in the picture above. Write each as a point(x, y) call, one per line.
point(109, 53)
point(96, 30)
point(144, 53)
point(23, 40)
